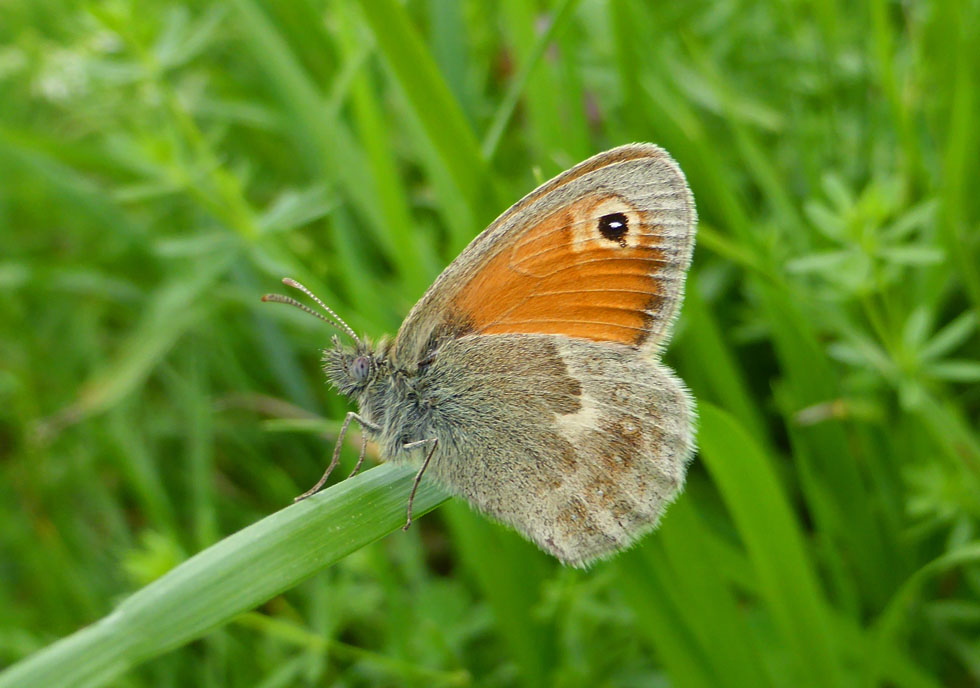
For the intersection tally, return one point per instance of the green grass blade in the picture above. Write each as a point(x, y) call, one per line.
point(32, 154)
point(445, 126)
point(317, 131)
point(511, 581)
point(712, 641)
point(711, 370)
point(379, 149)
point(830, 477)
point(765, 522)
point(172, 310)
point(491, 140)
point(889, 623)
point(230, 578)
point(962, 143)
point(645, 581)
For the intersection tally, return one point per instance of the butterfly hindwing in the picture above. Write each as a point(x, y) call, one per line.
point(577, 445)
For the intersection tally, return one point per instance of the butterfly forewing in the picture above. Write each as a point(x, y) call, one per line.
point(598, 253)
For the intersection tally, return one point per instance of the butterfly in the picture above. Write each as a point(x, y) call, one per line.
point(527, 379)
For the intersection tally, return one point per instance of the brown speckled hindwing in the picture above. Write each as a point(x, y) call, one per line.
point(577, 445)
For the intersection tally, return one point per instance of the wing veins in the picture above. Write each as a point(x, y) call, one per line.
point(532, 321)
point(563, 247)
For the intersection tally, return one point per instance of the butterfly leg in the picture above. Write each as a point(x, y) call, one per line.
point(336, 453)
point(434, 441)
point(360, 457)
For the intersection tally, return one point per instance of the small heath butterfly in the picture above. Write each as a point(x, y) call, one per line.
point(527, 379)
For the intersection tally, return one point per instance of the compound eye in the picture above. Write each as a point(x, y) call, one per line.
point(360, 368)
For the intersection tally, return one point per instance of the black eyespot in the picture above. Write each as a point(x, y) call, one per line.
point(360, 368)
point(614, 227)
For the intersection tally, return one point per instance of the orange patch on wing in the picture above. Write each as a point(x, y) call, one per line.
point(574, 273)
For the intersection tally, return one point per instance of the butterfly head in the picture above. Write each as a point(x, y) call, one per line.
point(352, 370)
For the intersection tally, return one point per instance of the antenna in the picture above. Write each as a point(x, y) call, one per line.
point(337, 321)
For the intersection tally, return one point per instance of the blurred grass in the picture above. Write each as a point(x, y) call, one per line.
point(162, 166)
point(230, 578)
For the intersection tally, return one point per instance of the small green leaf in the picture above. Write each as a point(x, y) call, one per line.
point(912, 255)
point(917, 327)
point(950, 337)
point(955, 370)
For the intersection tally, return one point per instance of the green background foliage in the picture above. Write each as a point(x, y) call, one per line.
point(162, 166)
